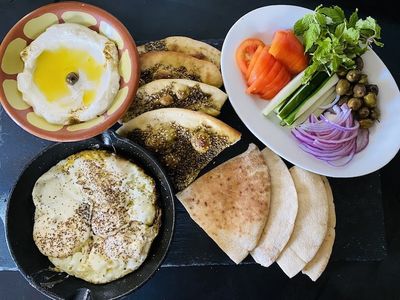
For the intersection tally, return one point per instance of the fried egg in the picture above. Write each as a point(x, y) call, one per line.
point(70, 74)
point(96, 215)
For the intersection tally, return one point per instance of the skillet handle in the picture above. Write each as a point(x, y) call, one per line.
point(81, 294)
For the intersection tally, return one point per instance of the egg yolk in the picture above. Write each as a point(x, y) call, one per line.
point(53, 66)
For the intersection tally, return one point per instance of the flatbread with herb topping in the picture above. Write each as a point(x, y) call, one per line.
point(185, 45)
point(181, 93)
point(184, 141)
point(170, 64)
point(231, 202)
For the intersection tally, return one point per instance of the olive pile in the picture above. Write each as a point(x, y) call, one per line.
point(360, 96)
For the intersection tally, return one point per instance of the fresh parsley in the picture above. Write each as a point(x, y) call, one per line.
point(333, 41)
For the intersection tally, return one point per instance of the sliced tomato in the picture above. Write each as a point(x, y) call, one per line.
point(287, 48)
point(277, 84)
point(245, 52)
point(253, 60)
point(263, 63)
point(265, 79)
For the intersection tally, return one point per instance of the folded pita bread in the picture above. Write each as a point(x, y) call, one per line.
point(183, 140)
point(311, 222)
point(231, 202)
point(180, 93)
point(318, 264)
point(185, 45)
point(282, 212)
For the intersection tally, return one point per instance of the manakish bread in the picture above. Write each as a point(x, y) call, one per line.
point(180, 93)
point(282, 212)
point(185, 45)
point(231, 202)
point(184, 141)
point(318, 264)
point(170, 64)
point(311, 222)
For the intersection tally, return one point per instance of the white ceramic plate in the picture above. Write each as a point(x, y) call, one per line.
point(384, 140)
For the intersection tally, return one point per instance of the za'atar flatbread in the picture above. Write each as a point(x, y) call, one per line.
point(184, 141)
point(231, 202)
point(311, 222)
point(282, 213)
point(318, 264)
point(185, 45)
point(181, 93)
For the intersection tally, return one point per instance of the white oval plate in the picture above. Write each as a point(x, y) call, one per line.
point(384, 141)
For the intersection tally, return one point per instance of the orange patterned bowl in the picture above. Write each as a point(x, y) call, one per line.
point(36, 22)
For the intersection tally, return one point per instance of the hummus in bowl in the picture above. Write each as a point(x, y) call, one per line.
point(77, 75)
point(70, 74)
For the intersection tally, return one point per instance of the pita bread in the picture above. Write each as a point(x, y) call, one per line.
point(282, 213)
point(231, 202)
point(169, 64)
point(311, 222)
point(180, 93)
point(318, 264)
point(185, 45)
point(184, 141)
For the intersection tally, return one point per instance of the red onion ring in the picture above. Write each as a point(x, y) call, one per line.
point(334, 140)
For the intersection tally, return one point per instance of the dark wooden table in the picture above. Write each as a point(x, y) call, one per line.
point(366, 259)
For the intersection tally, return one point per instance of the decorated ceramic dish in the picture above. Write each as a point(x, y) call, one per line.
point(27, 30)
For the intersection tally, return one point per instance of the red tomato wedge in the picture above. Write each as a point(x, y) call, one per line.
point(253, 61)
point(280, 80)
point(263, 63)
point(265, 78)
point(289, 51)
point(245, 52)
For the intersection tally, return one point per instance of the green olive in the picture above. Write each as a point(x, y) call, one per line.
point(359, 90)
point(373, 88)
point(354, 103)
point(359, 63)
point(363, 79)
point(353, 75)
point(342, 87)
point(363, 112)
point(375, 114)
point(366, 123)
point(370, 100)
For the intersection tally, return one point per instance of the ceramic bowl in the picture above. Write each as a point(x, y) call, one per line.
point(30, 27)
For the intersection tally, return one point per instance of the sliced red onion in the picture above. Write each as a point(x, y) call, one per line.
point(332, 137)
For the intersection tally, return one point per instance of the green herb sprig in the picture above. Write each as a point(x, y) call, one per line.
point(333, 41)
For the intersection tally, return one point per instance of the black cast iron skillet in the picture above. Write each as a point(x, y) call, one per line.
point(19, 223)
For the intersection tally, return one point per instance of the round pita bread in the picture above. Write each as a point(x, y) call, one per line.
point(282, 213)
point(231, 202)
point(311, 222)
point(317, 265)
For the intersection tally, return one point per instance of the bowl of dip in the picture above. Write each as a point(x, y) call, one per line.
point(68, 71)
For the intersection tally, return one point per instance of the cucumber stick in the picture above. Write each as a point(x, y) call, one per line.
point(315, 108)
point(321, 92)
point(302, 94)
point(284, 94)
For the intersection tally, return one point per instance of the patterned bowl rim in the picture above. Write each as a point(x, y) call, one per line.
point(63, 135)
